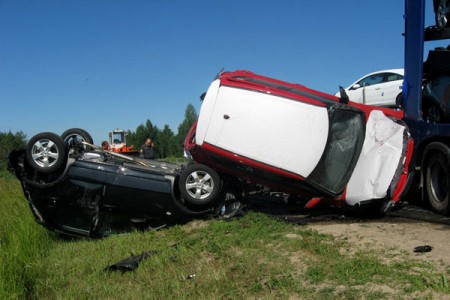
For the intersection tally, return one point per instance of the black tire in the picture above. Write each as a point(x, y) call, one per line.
point(46, 152)
point(399, 100)
point(199, 185)
point(437, 177)
point(73, 139)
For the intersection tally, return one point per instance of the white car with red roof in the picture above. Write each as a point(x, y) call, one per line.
point(255, 130)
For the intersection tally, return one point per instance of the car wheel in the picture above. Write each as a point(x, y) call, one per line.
point(74, 138)
point(441, 13)
point(399, 100)
point(437, 176)
point(45, 152)
point(199, 184)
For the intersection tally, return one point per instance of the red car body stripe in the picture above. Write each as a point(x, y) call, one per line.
point(250, 162)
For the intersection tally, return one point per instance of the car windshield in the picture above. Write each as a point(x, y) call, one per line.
point(345, 141)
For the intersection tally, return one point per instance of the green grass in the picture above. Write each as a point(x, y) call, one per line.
point(22, 243)
point(252, 257)
point(175, 159)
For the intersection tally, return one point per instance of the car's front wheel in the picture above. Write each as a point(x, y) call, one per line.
point(199, 185)
point(45, 152)
point(437, 177)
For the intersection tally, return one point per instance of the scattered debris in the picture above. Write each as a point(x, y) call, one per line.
point(230, 210)
point(422, 249)
point(131, 263)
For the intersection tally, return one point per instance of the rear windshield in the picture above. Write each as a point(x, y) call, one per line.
point(344, 144)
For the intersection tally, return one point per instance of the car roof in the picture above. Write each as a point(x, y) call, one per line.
point(249, 80)
point(398, 71)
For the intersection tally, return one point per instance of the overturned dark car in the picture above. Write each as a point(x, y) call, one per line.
point(77, 189)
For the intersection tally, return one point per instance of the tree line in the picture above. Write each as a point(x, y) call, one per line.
point(10, 141)
point(167, 144)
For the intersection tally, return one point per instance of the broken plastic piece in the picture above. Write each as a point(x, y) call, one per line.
point(313, 202)
point(422, 249)
point(131, 263)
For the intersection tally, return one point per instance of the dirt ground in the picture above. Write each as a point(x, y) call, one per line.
point(401, 230)
point(396, 234)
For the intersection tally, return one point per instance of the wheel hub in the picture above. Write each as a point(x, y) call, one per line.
point(43, 154)
point(199, 185)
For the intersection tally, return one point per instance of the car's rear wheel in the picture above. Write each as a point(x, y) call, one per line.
point(399, 100)
point(437, 177)
point(74, 139)
point(199, 185)
point(45, 152)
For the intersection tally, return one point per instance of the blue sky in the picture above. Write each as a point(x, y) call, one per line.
point(106, 64)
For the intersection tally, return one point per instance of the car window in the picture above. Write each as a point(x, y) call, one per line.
point(393, 77)
point(371, 80)
point(345, 141)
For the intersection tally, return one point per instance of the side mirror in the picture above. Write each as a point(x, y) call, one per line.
point(355, 87)
point(343, 95)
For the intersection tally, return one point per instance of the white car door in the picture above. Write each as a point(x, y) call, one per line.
point(355, 94)
point(380, 158)
point(368, 90)
point(392, 87)
point(373, 94)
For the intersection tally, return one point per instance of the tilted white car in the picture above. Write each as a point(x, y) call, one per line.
point(255, 130)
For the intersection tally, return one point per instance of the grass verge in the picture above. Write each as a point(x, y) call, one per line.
point(23, 244)
point(252, 257)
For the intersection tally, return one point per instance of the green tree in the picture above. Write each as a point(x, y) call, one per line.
point(144, 131)
point(138, 137)
point(166, 142)
point(8, 142)
point(190, 117)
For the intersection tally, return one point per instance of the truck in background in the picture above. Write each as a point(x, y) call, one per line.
point(118, 143)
